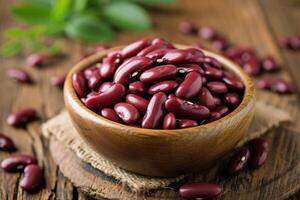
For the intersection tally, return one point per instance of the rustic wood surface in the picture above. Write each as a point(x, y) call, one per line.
point(254, 23)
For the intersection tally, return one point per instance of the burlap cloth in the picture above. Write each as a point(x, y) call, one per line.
point(62, 129)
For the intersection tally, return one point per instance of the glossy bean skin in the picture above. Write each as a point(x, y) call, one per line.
point(206, 99)
point(233, 83)
point(6, 144)
point(134, 48)
point(217, 101)
point(87, 73)
point(238, 161)
point(277, 85)
point(190, 87)
point(169, 121)
point(200, 190)
point(127, 112)
point(213, 73)
point(108, 98)
point(213, 116)
point(158, 73)
point(187, 68)
point(185, 109)
point(186, 123)
point(95, 79)
point(137, 87)
point(217, 87)
point(104, 86)
point(80, 84)
point(32, 179)
point(17, 162)
point(155, 46)
point(164, 86)
point(58, 80)
point(110, 114)
point(232, 100)
point(128, 68)
point(252, 67)
point(19, 75)
point(139, 102)
point(155, 111)
point(258, 152)
point(110, 64)
point(269, 65)
point(22, 117)
point(222, 110)
point(211, 62)
point(37, 59)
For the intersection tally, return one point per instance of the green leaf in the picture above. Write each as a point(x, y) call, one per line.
point(61, 9)
point(14, 33)
point(43, 2)
point(89, 29)
point(127, 16)
point(155, 1)
point(10, 49)
point(79, 5)
point(31, 13)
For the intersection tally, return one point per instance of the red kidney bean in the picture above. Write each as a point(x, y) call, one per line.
point(216, 87)
point(268, 64)
point(207, 33)
point(213, 73)
point(252, 67)
point(160, 41)
point(95, 79)
point(175, 56)
point(105, 86)
point(186, 123)
point(80, 84)
point(110, 64)
point(137, 87)
point(294, 42)
point(186, 109)
point(134, 48)
point(87, 73)
point(232, 100)
point(157, 54)
point(190, 87)
point(211, 62)
point(258, 152)
point(200, 190)
point(19, 75)
point(139, 102)
point(238, 161)
point(233, 83)
point(127, 112)
point(187, 68)
point(22, 117)
point(58, 81)
point(214, 116)
point(133, 65)
point(108, 98)
point(204, 80)
point(169, 121)
point(32, 179)
point(153, 47)
point(158, 73)
point(110, 114)
point(164, 86)
point(155, 111)
point(6, 144)
point(223, 110)
point(217, 101)
point(275, 84)
point(206, 99)
point(37, 59)
point(17, 162)
point(188, 28)
point(220, 43)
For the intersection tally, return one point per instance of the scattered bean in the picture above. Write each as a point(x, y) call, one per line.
point(6, 144)
point(238, 161)
point(22, 117)
point(200, 190)
point(32, 179)
point(17, 162)
point(19, 75)
point(258, 152)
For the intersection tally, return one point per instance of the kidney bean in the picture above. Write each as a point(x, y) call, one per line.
point(155, 111)
point(275, 84)
point(137, 87)
point(139, 102)
point(294, 42)
point(158, 73)
point(95, 79)
point(223, 110)
point(211, 62)
point(134, 48)
point(238, 161)
point(206, 99)
point(204, 80)
point(187, 68)
point(58, 81)
point(105, 86)
point(258, 152)
point(186, 123)
point(37, 59)
point(32, 179)
point(190, 87)
point(164, 86)
point(157, 54)
point(186, 109)
point(17, 162)
point(233, 83)
point(207, 33)
point(169, 121)
point(213, 73)
point(6, 144)
point(108, 98)
point(216, 87)
point(87, 73)
point(161, 41)
point(110, 64)
point(188, 28)
point(19, 75)
point(80, 84)
point(200, 190)
point(153, 47)
point(268, 64)
point(21, 117)
point(217, 101)
point(127, 112)
point(252, 67)
point(110, 114)
point(131, 66)
point(194, 55)
point(213, 116)
point(232, 100)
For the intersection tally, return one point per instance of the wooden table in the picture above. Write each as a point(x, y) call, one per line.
point(254, 23)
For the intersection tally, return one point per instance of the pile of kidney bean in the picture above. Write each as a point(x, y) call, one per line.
point(151, 84)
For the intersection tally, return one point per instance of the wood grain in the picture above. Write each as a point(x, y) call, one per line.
point(255, 23)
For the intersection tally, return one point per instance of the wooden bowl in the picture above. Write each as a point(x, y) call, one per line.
point(157, 152)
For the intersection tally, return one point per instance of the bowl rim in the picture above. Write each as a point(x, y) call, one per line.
point(249, 93)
